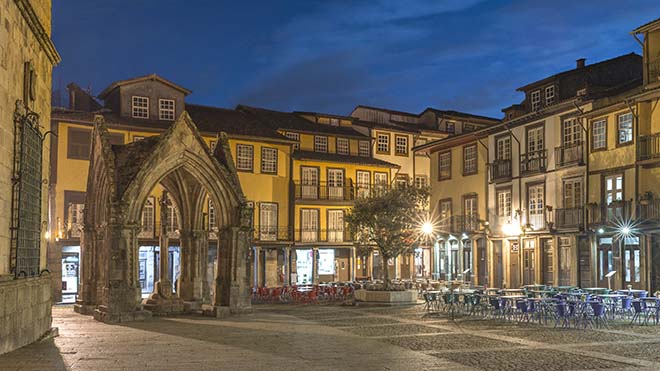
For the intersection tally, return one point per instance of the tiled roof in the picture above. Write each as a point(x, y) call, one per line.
point(333, 157)
point(395, 112)
point(291, 121)
point(152, 77)
point(213, 119)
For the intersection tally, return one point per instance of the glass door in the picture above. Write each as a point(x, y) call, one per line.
point(310, 183)
point(335, 226)
point(529, 271)
point(363, 180)
point(335, 184)
point(309, 225)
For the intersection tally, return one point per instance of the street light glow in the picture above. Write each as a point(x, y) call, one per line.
point(427, 228)
point(511, 229)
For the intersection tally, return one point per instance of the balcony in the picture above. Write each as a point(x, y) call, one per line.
point(267, 233)
point(609, 214)
point(569, 218)
point(534, 162)
point(500, 170)
point(460, 224)
point(570, 155)
point(330, 235)
point(648, 148)
point(324, 191)
point(649, 210)
point(536, 221)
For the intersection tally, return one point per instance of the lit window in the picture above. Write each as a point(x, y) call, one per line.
point(334, 122)
point(549, 95)
point(401, 145)
point(503, 148)
point(535, 99)
point(268, 160)
point(212, 216)
point(613, 188)
point(364, 148)
point(504, 202)
point(421, 181)
point(383, 143)
point(451, 127)
point(166, 109)
point(212, 145)
point(244, 155)
point(625, 128)
point(140, 107)
point(343, 146)
point(470, 159)
point(294, 136)
point(599, 134)
point(444, 165)
point(320, 144)
point(137, 138)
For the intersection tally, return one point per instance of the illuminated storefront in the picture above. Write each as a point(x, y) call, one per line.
point(149, 264)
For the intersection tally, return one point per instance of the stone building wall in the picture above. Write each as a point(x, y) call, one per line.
point(25, 312)
point(24, 36)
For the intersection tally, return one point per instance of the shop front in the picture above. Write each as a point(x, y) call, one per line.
point(70, 273)
point(149, 262)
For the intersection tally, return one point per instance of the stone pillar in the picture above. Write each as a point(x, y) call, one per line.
point(164, 287)
point(86, 301)
point(315, 265)
point(352, 264)
point(287, 266)
point(232, 283)
point(203, 267)
point(257, 268)
point(190, 280)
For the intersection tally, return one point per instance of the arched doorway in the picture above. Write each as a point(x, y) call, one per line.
point(121, 178)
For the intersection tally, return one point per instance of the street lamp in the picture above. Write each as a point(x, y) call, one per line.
point(427, 228)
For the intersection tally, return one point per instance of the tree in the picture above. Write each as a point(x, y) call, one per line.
point(390, 221)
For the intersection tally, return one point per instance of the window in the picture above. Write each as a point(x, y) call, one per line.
point(148, 218)
point(294, 136)
point(244, 155)
point(335, 226)
point(599, 134)
point(401, 145)
point(335, 184)
point(166, 109)
point(309, 222)
point(468, 128)
point(364, 148)
point(320, 143)
point(383, 143)
point(268, 160)
point(78, 143)
point(381, 182)
point(625, 128)
point(421, 181)
point(343, 146)
point(572, 132)
point(334, 122)
point(212, 145)
point(451, 127)
point(212, 216)
point(503, 148)
point(267, 221)
point(573, 193)
point(470, 159)
point(140, 107)
point(536, 206)
point(535, 99)
point(535, 139)
point(444, 165)
point(401, 180)
point(504, 202)
point(444, 212)
point(137, 138)
point(549, 95)
point(613, 188)
point(363, 183)
point(309, 182)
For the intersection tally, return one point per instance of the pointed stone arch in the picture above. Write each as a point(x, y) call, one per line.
point(121, 178)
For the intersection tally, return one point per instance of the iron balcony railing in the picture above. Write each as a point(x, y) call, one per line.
point(569, 217)
point(329, 235)
point(648, 147)
point(332, 192)
point(613, 213)
point(648, 210)
point(272, 233)
point(535, 222)
point(460, 224)
point(570, 154)
point(500, 169)
point(534, 162)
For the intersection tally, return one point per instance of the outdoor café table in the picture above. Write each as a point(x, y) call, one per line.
point(540, 293)
point(510, 303)
point(634, 292)
point(596, 290)
point(566, 288)
point(513, 291)
point(610, 301)
point(534, 287)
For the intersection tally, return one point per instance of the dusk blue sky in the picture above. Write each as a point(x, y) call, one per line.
point(329, 56)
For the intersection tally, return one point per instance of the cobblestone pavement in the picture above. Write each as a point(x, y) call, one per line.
point(285, 337)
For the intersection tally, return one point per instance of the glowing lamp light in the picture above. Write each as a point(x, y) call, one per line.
point(601, 231)
point(47, 235)
point(511, 229)
point(427, 228)
point(625, 231)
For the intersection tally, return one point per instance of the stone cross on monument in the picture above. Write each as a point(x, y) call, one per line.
point(164, 287)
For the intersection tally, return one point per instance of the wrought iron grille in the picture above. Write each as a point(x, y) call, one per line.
point(26, 193)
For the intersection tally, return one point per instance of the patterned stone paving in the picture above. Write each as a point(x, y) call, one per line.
point(286, 337)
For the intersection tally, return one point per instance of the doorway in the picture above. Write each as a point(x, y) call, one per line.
point(547, 252)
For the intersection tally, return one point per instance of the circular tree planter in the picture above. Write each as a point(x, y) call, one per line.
point(386, 297)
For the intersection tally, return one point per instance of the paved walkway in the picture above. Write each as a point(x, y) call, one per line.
point(333, 338)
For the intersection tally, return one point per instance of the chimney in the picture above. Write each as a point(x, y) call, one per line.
point(580, 63)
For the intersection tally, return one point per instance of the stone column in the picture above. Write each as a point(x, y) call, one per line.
point(232, 284)
point(287, 266)
point(164, 287)
point(203, 267)
point(315, 265)
point(86, 301)
point(189, 285)
point(352, 265)
point(257, 267)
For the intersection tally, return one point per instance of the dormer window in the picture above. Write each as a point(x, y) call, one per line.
point(166, 109)
point(140, 107)
point(535, 100)
point(549, 95)
point(451, 127)
point(334, 122)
